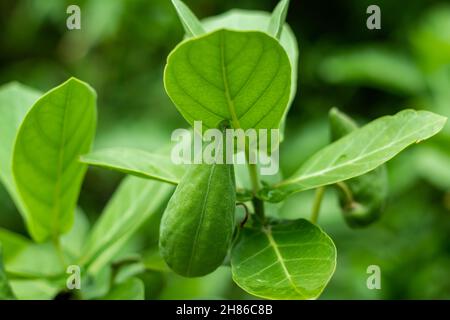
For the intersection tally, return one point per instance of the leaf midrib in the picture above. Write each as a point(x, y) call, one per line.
point(230, 102)
point(267, 231)
point(59, 174)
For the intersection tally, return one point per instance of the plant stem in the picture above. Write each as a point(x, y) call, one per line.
point(346, 190)
point(257, 203)
point(246, 213)
point(253, 171)
point(317, 203)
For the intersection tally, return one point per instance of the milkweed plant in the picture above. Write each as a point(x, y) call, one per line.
point(233, 71)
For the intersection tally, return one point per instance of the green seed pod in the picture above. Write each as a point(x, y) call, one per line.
point(197, 226)
point(364, 201)
point(340, 124)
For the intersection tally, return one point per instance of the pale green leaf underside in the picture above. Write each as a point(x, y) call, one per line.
point(130, 289)
point(243, 77)
point(133, 204)
point(15, 101)
point(363, 150)
point(291, 260)
point(136, 162)
point(250, 20)
point(72, 242)
point(191, 24)
point(5, 289)
point(55, 132)
point(36, 289)
point(278, 18)
point(143, 164)
point(25, 258)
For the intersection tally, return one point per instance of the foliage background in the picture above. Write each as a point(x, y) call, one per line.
point(121, 51)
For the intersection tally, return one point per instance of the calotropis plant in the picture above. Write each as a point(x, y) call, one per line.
point(239, 68)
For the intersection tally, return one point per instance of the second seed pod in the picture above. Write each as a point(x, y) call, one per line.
point(369, 191)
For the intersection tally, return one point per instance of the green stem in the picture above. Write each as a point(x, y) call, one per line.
point(317, 203)
point(253, 171)
point(257, 203)
point(346, 190)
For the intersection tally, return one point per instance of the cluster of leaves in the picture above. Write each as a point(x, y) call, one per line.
point(240, 67)
point(43, 137)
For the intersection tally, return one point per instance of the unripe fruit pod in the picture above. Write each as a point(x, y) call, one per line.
point(369, 191)
point(198, 223)
point(340, 124)
point(369, 198)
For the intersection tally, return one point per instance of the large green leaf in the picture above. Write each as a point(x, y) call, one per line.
point(5, 289)
point(290, 260)
point(55, 132)
point(136, 162)
point(258, 20)
point(359, 152)
point(133, 203)
point(15, 101)
point(24, 258)
point(191, 24)
point(243, 77)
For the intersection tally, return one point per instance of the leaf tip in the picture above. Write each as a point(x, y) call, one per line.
point(334, 111)
point(77, 82)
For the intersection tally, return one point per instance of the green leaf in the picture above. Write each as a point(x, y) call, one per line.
point(376, 67)
point(359, 152)
point(96, 286)
point(278, 19)
point(35, 289)
point(136, 162)
point(250, 20)
point(243, 77)
point(191, 24)
point(290, 260)
point(5, 289)
point(132, 205)
point(73, 241)
point(59, 127)
point(24, 258)
point(15, 101)
point(131, 289)
point(153, 260)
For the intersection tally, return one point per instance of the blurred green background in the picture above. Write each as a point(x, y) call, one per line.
point(121, 51)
